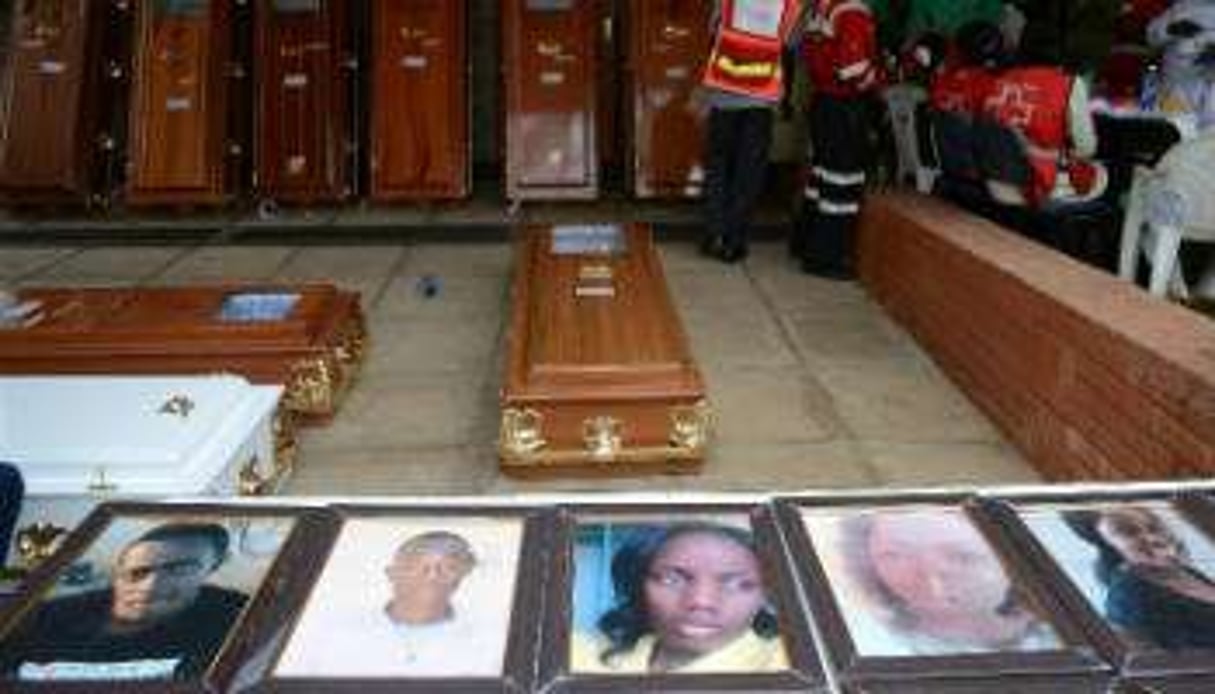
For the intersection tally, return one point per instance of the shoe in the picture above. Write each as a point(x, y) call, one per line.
point(723, 250)
point(828, 271)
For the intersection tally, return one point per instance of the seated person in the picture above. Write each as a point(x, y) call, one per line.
point(1048, 109)
point(965, 77)
point(1186, 35)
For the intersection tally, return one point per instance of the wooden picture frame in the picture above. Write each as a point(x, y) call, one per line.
point(879, 642)
point(785, 661)
point(339, 641)
point(1059, 534)
point(261, 555)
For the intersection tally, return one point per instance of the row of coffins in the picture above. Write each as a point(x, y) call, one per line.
point(1048, 590)
point(158, 102)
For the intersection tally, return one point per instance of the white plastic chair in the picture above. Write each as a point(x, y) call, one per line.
point(902, 101)
point(1171, 204)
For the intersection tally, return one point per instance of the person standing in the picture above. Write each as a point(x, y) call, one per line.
point(843, 65)
point(743, 81)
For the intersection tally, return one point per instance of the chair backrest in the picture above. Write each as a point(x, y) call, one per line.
point(925, 136)
point(1135, 140)
point(955, 140)
point(12, 490)
point(1000, 154)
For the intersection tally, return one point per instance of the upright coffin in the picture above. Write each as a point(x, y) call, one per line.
point(180, 93)
point(420, 146)
point(309, 337)
point(668, 43)
point(598, 378)
point(304, 75)
point(80, 439)
point(550, 86)
point(51, 116)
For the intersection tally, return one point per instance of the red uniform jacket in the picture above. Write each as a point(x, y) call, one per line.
point(840, 48)
point(1034, 102)
point(961, 89)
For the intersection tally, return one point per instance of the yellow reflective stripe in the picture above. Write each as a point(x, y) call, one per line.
point(763, 69)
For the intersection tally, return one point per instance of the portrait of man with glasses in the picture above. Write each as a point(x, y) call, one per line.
point(157, 619)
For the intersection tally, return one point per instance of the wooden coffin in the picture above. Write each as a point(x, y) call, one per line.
point(51, 115)
point(599, 378)
point(420, 146)
point(309, 337)
point(134, 437)
point(550, 68)
point(304, 100)
point(668, 42)
point(180, 92)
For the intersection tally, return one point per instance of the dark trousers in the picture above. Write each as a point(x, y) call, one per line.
point(839, 139)
point(735, 166)
point(11, 492)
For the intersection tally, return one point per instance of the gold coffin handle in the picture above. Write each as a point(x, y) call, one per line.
point(521, 439)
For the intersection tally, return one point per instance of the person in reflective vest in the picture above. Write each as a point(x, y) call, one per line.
point(843, 65)
point(966, 78)
point(743, 81)
point(1049, 109)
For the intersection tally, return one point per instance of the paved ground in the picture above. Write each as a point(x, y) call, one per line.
point(813, 386)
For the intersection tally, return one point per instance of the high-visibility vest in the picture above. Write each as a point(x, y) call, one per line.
point(746, 54)
point(961, 89)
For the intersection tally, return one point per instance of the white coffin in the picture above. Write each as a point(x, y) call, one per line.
point(79, 440)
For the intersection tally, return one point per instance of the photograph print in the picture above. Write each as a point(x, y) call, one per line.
point(671, 595)
point(923, 580)
point(409, 597)
point(152, 597)
point(1140, 564)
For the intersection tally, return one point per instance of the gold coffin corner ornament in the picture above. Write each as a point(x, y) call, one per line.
point(522, 434)
point(310, 387)
point(252, 482)
point(690, 426)
point(602, 436)
point(37, 541)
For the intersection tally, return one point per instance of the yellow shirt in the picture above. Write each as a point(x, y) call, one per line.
point(747, 653)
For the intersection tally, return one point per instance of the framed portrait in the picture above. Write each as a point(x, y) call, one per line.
point(434, 598)
point(673, 597)
point(155, 597)
point(1137, 570)
point(923, 592)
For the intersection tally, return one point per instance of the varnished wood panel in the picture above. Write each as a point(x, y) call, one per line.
point(668, 42)
point(420, 111)
point(550, 62)
point(303, 95)
point(179, 102)
point(49, 128)
point(316, 347)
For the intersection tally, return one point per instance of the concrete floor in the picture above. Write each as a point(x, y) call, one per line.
point(812, 385)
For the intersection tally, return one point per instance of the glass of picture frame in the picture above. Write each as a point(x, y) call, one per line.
point(923, 592)
point(155, 597)
point(1136, 569)
point(420, 599)
point(676, 597)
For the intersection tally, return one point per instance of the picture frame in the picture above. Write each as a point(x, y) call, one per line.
point(1058, 533)
point(362, 641)
point(188, 583)
point(882, 575)
point(591, 539)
